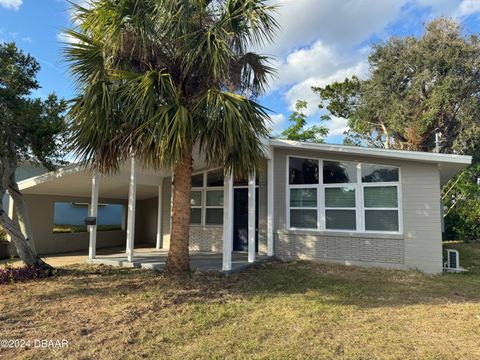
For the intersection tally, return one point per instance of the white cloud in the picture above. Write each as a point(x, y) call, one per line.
point(342, 23)
point(11, 4)
point(303, 90)
point(468, 7)
point(318, 42)
point(337, 126)
point(27, 39)
point(66, 38)
point(278, 122)
point(317, 60)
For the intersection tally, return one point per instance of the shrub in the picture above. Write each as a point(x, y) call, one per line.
point(11, 275)
point(462, 201)
point(3, 234)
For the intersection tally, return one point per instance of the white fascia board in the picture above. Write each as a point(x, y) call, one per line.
point(52, 175)
point(375, 152)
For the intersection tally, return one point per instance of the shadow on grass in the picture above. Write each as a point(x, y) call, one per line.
point(324, 283)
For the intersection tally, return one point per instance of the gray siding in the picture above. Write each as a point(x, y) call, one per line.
point(422, 217)
point(419, 247)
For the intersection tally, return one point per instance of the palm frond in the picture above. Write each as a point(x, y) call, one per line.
point(153, 75)
point(233, 129)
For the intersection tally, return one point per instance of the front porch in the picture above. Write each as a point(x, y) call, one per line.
point(154, 259)
point(231, 218)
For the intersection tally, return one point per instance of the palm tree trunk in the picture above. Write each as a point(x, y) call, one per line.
point(178, 260)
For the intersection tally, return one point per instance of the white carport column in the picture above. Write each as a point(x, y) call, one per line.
point(270, 194)
point(227, 222)
point(92, 229)
point(159, 216)
point(251, 218)
point(132, 198)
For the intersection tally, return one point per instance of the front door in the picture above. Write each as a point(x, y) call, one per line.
point(240, 220)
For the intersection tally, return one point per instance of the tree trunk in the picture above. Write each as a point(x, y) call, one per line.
point(24, 250)
point(22, 214)
point(178, 260)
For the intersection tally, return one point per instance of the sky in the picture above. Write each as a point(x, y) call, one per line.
point(320, 41)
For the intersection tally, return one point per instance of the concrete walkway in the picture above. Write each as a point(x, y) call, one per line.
point(155, 260)
point(147, 258)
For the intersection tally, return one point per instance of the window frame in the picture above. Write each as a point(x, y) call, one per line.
point(399, 208)
point(204, 189)
point(316, 208)
point(197, 207)
point(359, 198)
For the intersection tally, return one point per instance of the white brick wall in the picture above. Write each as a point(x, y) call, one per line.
point(206, 238)
point(340, 248)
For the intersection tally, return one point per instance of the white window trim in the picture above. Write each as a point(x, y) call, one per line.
point(204, 189)
point(303, 186)
point(399, 209)
point(360, 208)
point(198, 206)
point(355, 208)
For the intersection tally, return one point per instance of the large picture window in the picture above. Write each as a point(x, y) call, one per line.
point(347, 196)
point(206, 201)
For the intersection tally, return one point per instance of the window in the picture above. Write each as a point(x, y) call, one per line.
point(215, 178)
point(69, 217)
point(349, 196)
point(206, 204)
point(339, 172)
point(197, 180)
point(214, 208)
point(380, 197)
point(379, 173)
point(196, 208)
point(340, 208)
point(303, 192)
point(303, 208)
point(303, 171)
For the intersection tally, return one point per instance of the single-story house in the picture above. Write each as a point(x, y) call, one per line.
point(331, 203)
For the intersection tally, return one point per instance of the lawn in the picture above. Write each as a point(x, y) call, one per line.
point(278, 311)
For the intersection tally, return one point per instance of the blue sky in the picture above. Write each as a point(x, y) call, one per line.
point(321, 41)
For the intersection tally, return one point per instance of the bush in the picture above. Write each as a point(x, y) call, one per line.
point(462, 201)
point(3, 234)
point(463, 222)
point(11, 275)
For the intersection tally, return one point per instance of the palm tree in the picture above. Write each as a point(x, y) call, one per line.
point(158, 78)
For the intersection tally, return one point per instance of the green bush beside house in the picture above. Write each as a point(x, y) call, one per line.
point(4, 244)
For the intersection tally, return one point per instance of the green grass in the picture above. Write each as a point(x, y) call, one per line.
point(469, 254)
point(64, 229)
point(278, 311)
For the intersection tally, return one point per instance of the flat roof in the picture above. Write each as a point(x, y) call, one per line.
point(448, 164)
point(76, 179)
point(376, 152)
